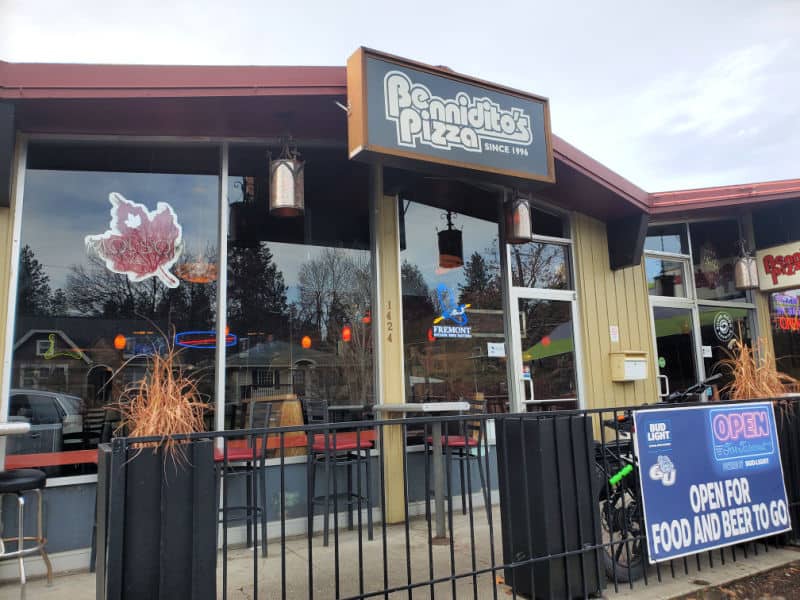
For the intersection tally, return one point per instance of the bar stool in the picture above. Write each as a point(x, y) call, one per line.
point(465, 448)
point(19, 482)
point(253, 454)
point(335, 450)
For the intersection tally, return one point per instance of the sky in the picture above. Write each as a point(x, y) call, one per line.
point(670, 95)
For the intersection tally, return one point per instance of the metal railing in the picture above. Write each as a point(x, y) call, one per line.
point(540, 508)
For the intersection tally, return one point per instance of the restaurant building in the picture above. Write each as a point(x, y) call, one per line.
point(355, 234)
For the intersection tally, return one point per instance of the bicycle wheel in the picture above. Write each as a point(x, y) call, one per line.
point(626, 557)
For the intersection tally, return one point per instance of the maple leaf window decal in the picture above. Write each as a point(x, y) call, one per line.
point(140, 243)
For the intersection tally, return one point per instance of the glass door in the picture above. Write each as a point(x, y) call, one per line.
point(546, 352)
point(676, 348)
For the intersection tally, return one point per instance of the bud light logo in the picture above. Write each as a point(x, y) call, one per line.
point(659, 436)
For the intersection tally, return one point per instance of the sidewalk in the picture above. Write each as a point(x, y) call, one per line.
point(81, 586)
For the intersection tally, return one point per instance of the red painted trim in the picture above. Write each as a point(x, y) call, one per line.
point(724, 196)
point(28, 81)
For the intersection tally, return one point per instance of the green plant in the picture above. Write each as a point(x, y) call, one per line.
point(753, 372)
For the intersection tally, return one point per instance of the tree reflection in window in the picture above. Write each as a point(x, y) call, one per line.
point(540, 265)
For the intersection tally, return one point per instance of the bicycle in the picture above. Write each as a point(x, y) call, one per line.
point(621, 517)
point(621, 511)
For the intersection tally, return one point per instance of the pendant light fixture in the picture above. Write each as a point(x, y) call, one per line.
point(745, 271)
point(286, 182)
point(519, 225)
point(451, 245)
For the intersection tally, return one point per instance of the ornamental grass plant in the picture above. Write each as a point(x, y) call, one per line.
point(164, 403)
point(753, 372)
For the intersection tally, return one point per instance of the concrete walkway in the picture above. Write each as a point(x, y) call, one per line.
point(369, 575)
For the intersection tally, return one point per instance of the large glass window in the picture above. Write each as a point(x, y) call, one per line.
point(117, 261)
point(453, 329)
point(715, 248)
point(299, 291)
point(719, 326)
point(667, 238)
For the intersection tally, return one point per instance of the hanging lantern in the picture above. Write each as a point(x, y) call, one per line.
point(305, 342)
point(745, 271)
point(519, 225)
point(286, 183)
point(347, 333)
point(451, 246)
point(120, 342)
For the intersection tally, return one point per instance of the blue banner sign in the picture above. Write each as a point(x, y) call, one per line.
point(711, 476)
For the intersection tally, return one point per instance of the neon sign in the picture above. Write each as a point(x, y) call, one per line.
point(205, 340)
point(787, 312)
point(51, 353)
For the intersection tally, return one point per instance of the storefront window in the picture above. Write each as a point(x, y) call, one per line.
point(299, 292)
point(785, 315)
point(719, 327)
point(665, 277)
point(540, 265)
point(453, 329)
point(117, 262)
point(715, 248)
point(667, 238)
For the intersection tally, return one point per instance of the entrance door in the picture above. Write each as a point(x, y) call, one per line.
point(545, 350)
point(676, 348)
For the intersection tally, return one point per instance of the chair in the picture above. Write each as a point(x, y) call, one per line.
point(465, 447)
point(253, 453)
point(333, 450)
point(94, 421)
point(20, 482)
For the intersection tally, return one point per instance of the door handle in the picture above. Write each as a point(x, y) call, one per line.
point(527, 389)
point(666, 386)
point(35, 436)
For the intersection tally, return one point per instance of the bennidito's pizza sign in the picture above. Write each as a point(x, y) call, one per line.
point(779, 267)
point(421, 116)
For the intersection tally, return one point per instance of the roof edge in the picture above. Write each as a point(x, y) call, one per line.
point(24, 81)
point(724, 196)
point(588, 166)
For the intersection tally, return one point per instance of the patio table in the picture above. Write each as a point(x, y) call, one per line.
point(436, 432)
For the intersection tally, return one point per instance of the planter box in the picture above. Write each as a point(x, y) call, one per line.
point(157, 523)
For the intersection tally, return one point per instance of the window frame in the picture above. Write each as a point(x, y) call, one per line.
point(222, 143)
point(691, 300)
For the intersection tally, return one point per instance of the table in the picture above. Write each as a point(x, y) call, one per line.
point(51, 459)
point(436, 432)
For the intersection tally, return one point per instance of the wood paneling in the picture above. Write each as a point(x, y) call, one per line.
point(607, 298)
point(390, 325)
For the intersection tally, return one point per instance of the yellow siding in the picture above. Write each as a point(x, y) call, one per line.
point(764, 322)
point(606, 298)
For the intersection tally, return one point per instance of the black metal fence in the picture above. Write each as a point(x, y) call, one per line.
point(543, 503)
